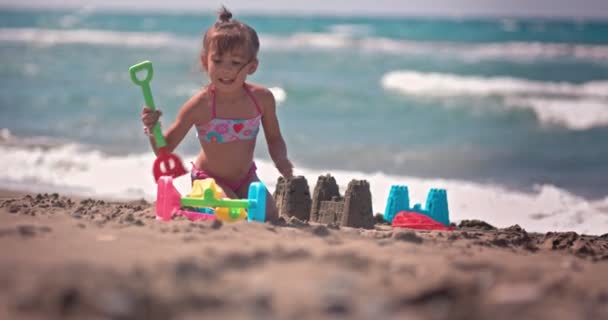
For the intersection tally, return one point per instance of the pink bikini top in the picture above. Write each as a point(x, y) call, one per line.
point(220, 130)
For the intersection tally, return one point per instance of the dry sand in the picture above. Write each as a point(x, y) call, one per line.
point(67, 258)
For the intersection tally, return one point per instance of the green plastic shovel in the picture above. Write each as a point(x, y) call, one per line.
point(166, 164)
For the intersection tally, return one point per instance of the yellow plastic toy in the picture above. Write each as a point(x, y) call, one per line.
point(223, 214)
point(199, 186)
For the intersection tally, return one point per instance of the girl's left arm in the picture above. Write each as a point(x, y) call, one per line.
point(276, 144)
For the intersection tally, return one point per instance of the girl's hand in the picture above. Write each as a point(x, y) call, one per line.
point(149, 117)
point(285, 167)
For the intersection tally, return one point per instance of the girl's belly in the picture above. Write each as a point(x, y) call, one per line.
point(231, 160)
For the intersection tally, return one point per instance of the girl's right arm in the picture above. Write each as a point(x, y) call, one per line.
point(178, 130)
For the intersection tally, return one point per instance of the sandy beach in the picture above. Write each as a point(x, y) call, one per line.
point(70, 258)
point(490, 116)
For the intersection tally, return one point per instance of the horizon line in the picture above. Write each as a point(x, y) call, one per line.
point(304, 13)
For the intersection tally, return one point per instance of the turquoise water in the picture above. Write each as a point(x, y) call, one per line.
point(512, 102)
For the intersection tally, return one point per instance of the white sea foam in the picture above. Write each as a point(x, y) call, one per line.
point(470, 51)
point(50, 37)
point(575, 106)
point(279, 94)
point(303, 40)
point(351, 37)
point(351, 29)
point(443, 84)
point(575, 114)
point(75, 169)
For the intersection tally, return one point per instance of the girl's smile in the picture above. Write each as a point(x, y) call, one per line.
point(226, 81)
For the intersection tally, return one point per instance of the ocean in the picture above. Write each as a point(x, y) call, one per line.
point(509, 115)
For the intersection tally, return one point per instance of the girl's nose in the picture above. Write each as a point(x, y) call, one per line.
point(227, 68)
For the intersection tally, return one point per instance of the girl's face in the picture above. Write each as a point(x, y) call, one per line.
point(229, 70)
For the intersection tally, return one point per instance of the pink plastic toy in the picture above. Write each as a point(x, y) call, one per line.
point(168, 203)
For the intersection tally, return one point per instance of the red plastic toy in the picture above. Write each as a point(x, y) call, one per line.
point(415, 220)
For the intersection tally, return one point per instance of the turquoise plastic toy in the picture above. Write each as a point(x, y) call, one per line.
point(398, 200)
point(436, 204)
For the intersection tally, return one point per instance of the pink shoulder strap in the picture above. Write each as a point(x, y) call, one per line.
point(212, 89)
point(250, 94)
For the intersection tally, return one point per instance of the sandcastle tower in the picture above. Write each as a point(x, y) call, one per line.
point(292, 196)
point(325, 190)
point(358, 211)
point(352, 210)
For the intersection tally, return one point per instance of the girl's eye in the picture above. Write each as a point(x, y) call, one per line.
point(216, 60)
point(236, 63)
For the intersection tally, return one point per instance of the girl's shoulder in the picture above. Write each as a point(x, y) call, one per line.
point(197, 107)
point(262, 94)
point(202, 97)
point(199, 100)
point(257, 89)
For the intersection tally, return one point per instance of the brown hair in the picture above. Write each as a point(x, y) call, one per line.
point(228, 34)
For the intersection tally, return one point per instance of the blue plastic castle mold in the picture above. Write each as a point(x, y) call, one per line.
point(398, 200)
point(436, 204)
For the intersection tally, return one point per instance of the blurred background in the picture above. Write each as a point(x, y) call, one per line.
point(502, 103)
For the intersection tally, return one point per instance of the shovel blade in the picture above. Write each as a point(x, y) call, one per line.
point(168, 165)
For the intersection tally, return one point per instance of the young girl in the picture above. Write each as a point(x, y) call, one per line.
point(228, 113)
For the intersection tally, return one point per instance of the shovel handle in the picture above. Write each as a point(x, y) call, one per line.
point(159, 139)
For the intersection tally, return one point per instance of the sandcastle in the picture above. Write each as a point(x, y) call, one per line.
point(293, 197)
point(327, 206)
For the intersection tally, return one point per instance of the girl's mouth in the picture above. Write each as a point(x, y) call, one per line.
point(226, 81)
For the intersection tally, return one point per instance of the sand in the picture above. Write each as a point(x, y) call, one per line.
point(70, 258)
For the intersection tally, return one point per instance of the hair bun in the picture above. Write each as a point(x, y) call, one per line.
point(224, 15)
